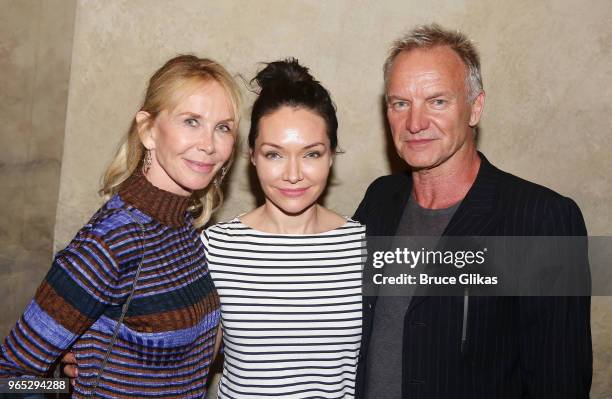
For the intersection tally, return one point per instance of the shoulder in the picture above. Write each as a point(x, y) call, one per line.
point(111, 226)
point(510, 187)
point(386, 186)
point(379, 194)
point(228, 228)
point(330, 220)
point(114, 215)
point(353, 226)
point(350, 222)
point(389, 184)
point(556, 213)
point(110, 240)
point(520, 190)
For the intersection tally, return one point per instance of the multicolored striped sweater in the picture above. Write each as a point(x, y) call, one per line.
point(165, 344)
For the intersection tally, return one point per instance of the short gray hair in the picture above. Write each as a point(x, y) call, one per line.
point(430, 36)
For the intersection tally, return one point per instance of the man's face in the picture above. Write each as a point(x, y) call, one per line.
point(428, 109)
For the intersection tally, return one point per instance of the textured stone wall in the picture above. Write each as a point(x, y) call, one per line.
point(35, 53)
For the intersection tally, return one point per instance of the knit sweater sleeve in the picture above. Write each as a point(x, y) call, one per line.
point(80, 285)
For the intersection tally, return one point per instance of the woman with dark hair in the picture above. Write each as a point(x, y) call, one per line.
point(288, 273)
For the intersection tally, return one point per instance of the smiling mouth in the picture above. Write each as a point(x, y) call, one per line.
point(292, 192)
point(200, 167)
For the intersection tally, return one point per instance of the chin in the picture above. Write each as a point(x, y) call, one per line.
point(416, 162)
point(420, 159)
point(195, 184)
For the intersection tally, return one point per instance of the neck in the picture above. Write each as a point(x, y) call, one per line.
point(275, 220)
point(447, 183)
point(160, 179)
point(164, 206)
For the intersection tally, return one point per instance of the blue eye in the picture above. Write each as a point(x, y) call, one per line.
point(314, 154)
point(192, 122)
point(272, 155)
point(399, 105)
point(224, 128)
point(438, 102)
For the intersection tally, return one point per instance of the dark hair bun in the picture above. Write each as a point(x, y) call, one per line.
point(287, 83)
point(281, 73)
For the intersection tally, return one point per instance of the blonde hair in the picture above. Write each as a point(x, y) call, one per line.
point(175, 80)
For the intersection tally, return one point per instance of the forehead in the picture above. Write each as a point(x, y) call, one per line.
point(427, 66)
point(197, 96)
point(289, 125)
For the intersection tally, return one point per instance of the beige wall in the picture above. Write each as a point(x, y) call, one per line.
point(544, 67)
point(35, 49)
point(547, 68)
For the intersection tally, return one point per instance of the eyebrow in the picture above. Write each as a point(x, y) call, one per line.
point(190, 114)
point(198, 116)
point(439, 94)
point(394, 97)
point(313, 145)
point(429, 97)
point(305, 147)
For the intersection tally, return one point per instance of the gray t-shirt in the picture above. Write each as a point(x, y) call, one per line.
point(384, 367)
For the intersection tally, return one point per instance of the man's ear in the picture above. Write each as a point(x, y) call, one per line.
point(477, 108)
point(144, 124)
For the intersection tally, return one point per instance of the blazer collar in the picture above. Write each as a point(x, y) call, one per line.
point(475, 212)
point(475, 208)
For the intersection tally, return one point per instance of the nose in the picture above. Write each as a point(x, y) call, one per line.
point(293, 171)
point(417, 120)
point(206, 142)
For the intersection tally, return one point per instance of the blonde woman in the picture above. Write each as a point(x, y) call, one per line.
point(131, 294)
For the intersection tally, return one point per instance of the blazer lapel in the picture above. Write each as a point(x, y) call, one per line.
point(476, 214)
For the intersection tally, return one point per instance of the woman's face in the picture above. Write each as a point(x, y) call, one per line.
point(191, 142)
point(292, 156)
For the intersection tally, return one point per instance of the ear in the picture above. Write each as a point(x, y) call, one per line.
point(477, 108)
point(252, 157)
point(144, 124)
point(331, 159)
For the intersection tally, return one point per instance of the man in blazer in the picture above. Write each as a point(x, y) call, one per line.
point(429, 346)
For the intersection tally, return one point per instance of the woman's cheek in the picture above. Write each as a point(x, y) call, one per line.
point(227, 144)
point(268, 171)
point(317, 169)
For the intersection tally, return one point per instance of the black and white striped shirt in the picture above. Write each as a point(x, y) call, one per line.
point(291, 310)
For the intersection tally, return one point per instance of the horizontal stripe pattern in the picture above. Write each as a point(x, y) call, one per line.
point(165, 344)
point(291, 310)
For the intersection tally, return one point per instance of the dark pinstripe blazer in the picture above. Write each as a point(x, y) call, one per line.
point(517, 347)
